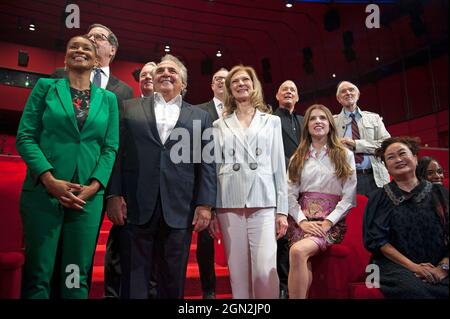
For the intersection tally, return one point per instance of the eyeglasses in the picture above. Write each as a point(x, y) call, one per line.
point(219, 78)
point(98, 37)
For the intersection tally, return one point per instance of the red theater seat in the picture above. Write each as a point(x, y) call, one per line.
point(12, 172)
point(9, 145)
point(338, 272)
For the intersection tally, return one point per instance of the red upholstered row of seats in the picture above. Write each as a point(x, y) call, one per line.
point(338, 273)
point(12, 174)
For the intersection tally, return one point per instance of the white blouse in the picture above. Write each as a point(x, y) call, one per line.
point(318, 175)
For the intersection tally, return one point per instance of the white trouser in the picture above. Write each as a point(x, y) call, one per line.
point(251, 250)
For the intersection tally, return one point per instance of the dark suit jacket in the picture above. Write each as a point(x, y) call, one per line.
point(210, 107)
point(144, 169)
point(122, 90)
point(290, 141)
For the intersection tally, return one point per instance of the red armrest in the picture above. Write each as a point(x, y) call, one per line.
point(11, 260)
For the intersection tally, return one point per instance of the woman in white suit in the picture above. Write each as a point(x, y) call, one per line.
point(252, 186)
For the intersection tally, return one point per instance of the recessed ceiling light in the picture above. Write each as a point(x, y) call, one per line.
point(32, 25)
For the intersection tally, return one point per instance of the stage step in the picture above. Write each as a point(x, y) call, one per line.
point(192, 286)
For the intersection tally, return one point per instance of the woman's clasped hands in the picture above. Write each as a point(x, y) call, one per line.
point(70, 195)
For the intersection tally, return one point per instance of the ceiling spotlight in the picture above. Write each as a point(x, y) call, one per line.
point(288, 4)
point(167, 48)
point(377, 59)
point(219, 53)
point(333, 75)
point(32, 26)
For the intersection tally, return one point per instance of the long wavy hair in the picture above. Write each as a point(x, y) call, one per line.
point(337, 151)
point(256, 96)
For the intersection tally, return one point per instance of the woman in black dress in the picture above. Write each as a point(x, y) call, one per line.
point(406, 227)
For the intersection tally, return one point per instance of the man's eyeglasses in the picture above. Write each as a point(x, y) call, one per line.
point(219, 78)
point(98, 37)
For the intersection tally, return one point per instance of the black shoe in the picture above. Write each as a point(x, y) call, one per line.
point(209, 295)
point(284, 294)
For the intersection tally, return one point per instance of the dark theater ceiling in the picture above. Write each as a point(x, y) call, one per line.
point(262, 33)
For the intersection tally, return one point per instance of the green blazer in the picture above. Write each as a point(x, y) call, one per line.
point(48, 137)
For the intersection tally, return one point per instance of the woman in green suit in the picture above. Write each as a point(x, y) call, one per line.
point(68, 136)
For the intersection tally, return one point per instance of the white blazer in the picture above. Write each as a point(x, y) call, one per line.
point(250, 163)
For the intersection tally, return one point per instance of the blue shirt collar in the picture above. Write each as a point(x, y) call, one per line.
point(356, 112)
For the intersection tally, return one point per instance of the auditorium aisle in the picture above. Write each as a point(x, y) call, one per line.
point(192, 286)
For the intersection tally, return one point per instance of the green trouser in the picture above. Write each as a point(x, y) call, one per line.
point(44, 221)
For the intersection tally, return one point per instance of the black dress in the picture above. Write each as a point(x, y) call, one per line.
point(416, 224)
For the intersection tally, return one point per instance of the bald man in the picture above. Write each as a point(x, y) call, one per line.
point(292, 125)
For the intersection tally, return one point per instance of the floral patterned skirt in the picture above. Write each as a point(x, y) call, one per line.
point(316, 207)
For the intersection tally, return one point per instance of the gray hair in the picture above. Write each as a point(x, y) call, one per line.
point(183, 70)
point(152, 64)
point(341, 83)
point(111, 36)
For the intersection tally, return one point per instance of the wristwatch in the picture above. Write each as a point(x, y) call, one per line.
point(444, 266)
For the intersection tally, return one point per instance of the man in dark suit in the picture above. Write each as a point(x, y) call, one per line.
point(292, 126)
point(160, 190)
point(215, 106)
point(107, 45)
point(205, 243)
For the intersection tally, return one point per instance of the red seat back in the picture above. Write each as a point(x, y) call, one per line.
point(354, 240)
point(12, 174)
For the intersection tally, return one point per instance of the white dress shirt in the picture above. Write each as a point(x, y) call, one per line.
point(318, 175)
point(104, 76)
point(219, 106)
point(166, 114)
